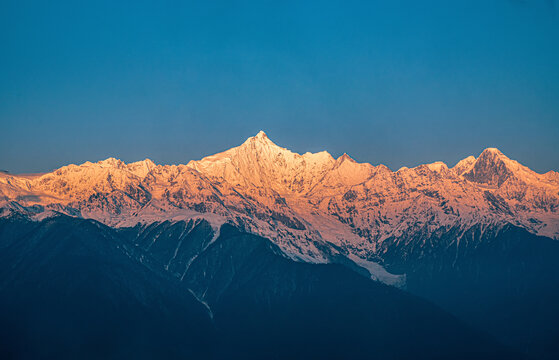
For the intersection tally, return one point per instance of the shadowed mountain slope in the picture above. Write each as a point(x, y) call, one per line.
point(76, 288)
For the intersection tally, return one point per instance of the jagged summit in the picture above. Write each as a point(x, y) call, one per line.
point(493, 168)
point(437, 166)
point(261, 138)
point(492, 150)
point(110, 162)
point(258, 143)
point(494, 154)
point(261, 134)
point(464, 165)
point(138, 168)
point(345, 157)
point(260, 162)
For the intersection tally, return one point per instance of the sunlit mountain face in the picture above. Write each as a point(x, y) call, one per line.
point(258, 251)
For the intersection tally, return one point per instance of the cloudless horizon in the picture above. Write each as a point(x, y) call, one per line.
point(400, 83)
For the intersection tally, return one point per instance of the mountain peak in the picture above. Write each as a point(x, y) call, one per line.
point(111, 162)
point(437, 166)
point(492, 150)
point(260, 162)
point(141, 168)
point(464, 165)
point(261, 135)
point(345, 157)
point(494, 156)
point(492, 167)
point(259, 139)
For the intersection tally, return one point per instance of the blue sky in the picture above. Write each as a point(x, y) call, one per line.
point(393, 82)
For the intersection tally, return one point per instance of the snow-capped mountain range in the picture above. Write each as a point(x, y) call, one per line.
point(312, 205)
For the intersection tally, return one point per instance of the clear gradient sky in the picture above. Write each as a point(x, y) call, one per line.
point(394, 82)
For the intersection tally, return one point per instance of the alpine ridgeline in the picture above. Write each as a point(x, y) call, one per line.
point(312, 205)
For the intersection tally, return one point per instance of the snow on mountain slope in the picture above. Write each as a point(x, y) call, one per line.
point(313, 206)
point(259, 163)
